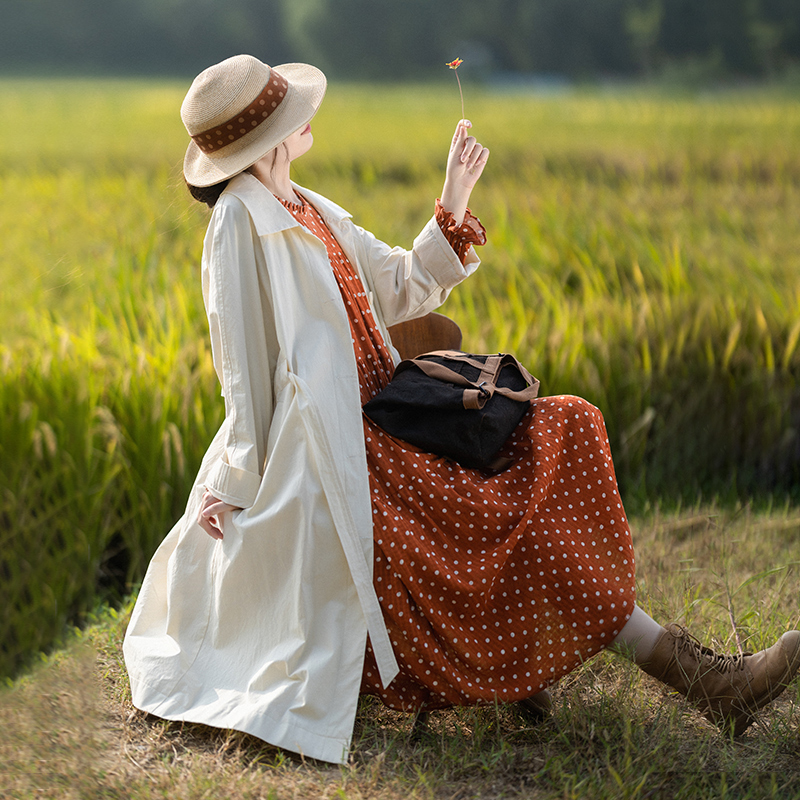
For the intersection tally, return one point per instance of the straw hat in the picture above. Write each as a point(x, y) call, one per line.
point(239, 109)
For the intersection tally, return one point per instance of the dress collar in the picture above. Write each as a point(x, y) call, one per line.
point(292, 206)
point(269, 214)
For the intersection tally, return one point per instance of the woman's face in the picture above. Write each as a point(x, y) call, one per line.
point(275, 164)
point(299, 142)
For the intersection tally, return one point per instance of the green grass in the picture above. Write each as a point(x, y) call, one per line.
point(69, 729)
point(643, 252)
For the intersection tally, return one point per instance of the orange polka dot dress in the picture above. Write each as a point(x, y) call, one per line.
point(492, 586)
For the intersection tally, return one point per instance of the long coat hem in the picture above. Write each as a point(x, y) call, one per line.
point(265, 630)
point(259, 722)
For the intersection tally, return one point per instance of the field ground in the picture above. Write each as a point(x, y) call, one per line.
point(69, 730)
point(644, 252)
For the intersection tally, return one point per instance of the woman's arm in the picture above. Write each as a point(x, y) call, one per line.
point(465, 163)
point(410, 283)
point(244, 348)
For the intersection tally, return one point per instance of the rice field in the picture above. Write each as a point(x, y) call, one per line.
point(644, 252)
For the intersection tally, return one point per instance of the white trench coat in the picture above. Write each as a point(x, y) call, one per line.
point(265, 630)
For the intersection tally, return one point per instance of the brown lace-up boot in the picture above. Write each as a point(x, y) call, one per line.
point(535, 708)
point(728, 690)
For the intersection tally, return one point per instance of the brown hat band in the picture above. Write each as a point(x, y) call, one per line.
point(245, 121)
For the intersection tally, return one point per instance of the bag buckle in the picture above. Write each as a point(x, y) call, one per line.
point(484, 392)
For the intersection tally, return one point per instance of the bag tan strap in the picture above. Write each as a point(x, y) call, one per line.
point(478, 392)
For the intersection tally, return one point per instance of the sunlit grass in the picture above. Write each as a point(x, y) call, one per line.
point(643, 252)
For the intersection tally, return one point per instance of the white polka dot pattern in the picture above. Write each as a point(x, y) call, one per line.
point(463, 236)
point(492, 587)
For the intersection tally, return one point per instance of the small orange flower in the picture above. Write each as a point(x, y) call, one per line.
point(455, 64)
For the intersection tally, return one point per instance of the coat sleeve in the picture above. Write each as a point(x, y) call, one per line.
point(410, 283)
point(244, 348)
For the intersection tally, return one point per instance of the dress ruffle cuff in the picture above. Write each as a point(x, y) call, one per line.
point(461, 237)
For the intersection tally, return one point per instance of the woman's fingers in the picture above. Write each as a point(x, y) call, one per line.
point(460, 133)
point(478, 158)
point(208, 516)
point(471, 161)
point(210, 527)
point(467, 148)
point(473, 150)
point(216, 508)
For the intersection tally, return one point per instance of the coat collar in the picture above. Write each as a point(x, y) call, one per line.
point(268, 214)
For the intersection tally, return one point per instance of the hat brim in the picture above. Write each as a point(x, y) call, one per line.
point(304, 96)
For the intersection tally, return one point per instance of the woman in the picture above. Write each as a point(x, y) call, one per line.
point(339, 559)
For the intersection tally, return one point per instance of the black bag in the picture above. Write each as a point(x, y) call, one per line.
point(455, 404)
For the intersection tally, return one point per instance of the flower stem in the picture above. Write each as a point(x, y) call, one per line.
point(461, 93)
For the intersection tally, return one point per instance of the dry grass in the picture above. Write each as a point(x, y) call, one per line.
point(70, 730)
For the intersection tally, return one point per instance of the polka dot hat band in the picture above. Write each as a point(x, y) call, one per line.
point(270, 98)
point(240, 109)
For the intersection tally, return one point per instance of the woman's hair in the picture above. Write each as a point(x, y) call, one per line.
point(207, 194)
point(210, 194)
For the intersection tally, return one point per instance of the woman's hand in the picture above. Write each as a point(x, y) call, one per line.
point(465, 163)
point(210, 509)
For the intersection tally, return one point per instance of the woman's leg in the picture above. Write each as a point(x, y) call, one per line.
point(728, 690)
point(639, 636)
point(636, 640)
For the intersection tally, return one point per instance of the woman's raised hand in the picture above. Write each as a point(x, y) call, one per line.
point(208, 517)
point(465, 163)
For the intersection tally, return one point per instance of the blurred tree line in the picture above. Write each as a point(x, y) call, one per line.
point(409, 39)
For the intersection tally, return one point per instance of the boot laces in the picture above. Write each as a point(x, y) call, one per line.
point(719, 662)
